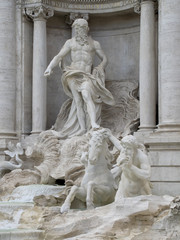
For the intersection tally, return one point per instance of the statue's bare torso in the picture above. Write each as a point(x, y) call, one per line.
point(82, 56)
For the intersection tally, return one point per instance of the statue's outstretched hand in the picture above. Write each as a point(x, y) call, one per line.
point(47, 72)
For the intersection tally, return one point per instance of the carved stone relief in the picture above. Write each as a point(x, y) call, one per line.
point(126, 109)
point(98, 5)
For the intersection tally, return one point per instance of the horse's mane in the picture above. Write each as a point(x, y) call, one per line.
point(97, 139)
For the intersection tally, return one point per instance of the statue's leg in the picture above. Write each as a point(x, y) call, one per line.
point(90, 108)
point(78, 192)
point(79, 105)
point(67, 204)
point(121, 190)
point(89, 197)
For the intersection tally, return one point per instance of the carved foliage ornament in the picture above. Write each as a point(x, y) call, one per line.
point(39, 12)
point(137, 7)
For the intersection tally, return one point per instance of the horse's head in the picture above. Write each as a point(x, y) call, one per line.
point(96, 145)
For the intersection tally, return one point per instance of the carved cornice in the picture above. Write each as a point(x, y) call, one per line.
point(90, 6)
point(39, 12)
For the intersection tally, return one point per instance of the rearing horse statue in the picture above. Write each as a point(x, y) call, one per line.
point(98, 186)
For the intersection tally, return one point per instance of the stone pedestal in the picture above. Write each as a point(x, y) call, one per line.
point(164, 154)
point(169, 70)
point(39, 15)
point(147, 74)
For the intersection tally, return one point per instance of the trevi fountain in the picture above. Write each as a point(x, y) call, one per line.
point(90, 120)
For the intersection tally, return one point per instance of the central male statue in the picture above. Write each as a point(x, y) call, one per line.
point(86, 86)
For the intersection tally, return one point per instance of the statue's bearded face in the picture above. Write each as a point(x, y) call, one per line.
point(81, 34)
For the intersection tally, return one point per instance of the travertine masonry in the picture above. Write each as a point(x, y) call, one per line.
point(169, 59)
point(7, 68)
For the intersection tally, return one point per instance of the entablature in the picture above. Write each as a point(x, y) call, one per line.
point(82, 6)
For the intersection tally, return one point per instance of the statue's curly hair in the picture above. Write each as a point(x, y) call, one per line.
point(131, 140)
point(80, 22)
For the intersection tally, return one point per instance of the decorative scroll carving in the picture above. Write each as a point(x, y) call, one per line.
point(39, 12)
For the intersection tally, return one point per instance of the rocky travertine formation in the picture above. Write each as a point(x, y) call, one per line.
point(17, 178)
point(127, 219)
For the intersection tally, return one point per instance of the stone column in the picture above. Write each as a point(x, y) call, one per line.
point(7, 68)
point(169, 65)
point(147, 74)
point(39, 15)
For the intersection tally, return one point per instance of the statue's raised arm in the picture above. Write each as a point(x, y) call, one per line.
point(58, 58)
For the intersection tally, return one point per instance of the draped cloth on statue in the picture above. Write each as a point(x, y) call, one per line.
point(95, 84)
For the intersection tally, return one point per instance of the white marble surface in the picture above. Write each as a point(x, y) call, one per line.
point(98, 185)
point(120, 39)
point(82, 82)
point(135, 167)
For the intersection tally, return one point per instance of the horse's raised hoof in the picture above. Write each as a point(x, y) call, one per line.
point(64, 208)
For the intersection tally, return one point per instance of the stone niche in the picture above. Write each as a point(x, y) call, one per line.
point(118, 35)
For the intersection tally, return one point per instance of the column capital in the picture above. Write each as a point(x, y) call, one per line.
point(73, 16)
point(39, 12)
point(137, 7)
